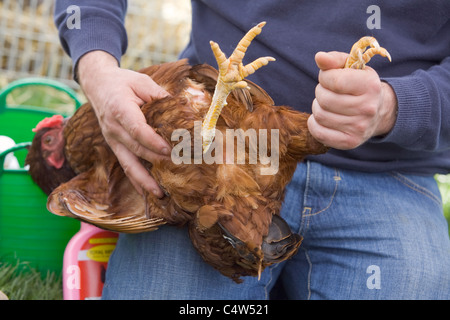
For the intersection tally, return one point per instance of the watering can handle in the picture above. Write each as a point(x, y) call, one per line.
point(17, 147)
point(39, 82)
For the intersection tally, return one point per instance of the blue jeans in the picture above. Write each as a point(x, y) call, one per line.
point(366, 236)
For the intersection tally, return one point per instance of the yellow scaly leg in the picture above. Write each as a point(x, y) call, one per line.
point(231, 76)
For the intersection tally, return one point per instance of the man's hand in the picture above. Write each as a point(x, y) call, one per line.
point(116, 95)
point(351, 106)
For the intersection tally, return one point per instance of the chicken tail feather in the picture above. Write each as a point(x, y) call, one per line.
point(280, 243)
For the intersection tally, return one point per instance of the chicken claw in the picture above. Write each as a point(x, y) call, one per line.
point(358, 57)
point(231, 76)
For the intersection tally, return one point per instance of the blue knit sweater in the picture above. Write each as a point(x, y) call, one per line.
point(416, 33)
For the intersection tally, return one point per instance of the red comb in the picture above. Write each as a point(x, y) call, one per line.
point(51, 122)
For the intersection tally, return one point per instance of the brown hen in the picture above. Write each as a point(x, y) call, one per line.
point(229, 197)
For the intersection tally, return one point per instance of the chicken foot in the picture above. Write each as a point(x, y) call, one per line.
point(231, 76)
point(358, 57)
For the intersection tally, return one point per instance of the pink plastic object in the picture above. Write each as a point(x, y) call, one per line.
point(85, 262)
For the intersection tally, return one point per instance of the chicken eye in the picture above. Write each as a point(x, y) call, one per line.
point(48, 139)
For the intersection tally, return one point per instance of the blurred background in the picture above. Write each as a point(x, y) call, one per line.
point(29, 43)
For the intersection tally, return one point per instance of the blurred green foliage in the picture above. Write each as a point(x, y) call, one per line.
point(444, 186)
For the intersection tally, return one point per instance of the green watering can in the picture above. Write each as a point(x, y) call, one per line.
point(28, 232)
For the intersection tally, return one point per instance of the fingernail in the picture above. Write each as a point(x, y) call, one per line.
point(156, 193)
point(165, 151)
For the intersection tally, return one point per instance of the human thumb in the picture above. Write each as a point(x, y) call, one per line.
point(330, 60)
point(148, 90)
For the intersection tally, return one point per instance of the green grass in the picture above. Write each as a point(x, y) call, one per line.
point(21, 282)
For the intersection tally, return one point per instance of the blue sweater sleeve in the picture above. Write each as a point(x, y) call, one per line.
point(101, 27)
point(423, 120)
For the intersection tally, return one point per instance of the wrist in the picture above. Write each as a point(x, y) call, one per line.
point(390, 110)
point(93, 62)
